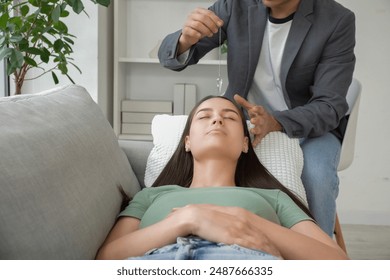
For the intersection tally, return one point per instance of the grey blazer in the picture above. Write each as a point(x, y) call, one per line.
point(317, 64)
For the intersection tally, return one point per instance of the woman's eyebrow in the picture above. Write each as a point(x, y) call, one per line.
point(230, 110)
point(204, 110)
point(211, 109)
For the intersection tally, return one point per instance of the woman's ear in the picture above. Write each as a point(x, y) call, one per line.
point(245, 145)
point(187, 144)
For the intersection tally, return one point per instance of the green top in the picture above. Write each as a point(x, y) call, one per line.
point(152, 205)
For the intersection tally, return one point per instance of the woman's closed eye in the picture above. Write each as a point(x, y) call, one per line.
point(203, 116)
point(230, 117)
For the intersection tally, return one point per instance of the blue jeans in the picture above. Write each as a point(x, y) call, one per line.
point(319, 176)
point(194, 248)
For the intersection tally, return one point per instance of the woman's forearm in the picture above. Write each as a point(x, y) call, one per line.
point(138, 242)
point(296, 245)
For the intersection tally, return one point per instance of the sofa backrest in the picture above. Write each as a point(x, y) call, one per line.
point(60, 165)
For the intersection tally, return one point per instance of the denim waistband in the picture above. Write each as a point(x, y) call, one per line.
point(192, 240)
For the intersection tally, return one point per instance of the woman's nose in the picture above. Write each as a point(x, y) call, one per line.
point(218, 120)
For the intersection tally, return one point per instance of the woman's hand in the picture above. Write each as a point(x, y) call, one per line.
point(199, 24)
point(263, 121)
point(228, 225)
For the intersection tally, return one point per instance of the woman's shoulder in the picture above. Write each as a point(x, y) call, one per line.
point(273, 196)
point(268, 192)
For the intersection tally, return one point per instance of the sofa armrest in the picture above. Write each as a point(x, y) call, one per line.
point(137, 153)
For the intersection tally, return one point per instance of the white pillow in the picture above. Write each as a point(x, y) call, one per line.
point(281, 155)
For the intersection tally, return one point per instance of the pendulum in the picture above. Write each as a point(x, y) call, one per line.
point(219, 79)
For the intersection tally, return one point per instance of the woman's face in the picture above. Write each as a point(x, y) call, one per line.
point(217, 130)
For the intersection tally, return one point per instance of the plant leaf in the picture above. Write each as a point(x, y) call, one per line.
point(17, 21)
point(64, 13)
point(24, 10)
point(55, 78)
point(34, 3)
point(16, 59)
point(30, 61)
point(45, 57)
point(76, 67)
point(70, 41)
point(34, 51)
point(58, 45)
point(61, 27)
point(16, 38)
point(2, 41)
point(56, 13)
point(63, 68)
point(105, 3)
point(4, 20)
point(5, 53)
point(78, 6)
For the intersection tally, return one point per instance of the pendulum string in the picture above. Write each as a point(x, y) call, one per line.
point(219, 79)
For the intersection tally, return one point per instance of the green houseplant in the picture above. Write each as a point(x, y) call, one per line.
point(32, 35)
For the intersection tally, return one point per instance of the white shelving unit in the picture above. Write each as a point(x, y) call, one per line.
point(139, 27)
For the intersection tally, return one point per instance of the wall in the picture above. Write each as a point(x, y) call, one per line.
point(364, 196)
point(365, 187)
point(85, 55)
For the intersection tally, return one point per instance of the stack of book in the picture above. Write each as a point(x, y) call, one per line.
point(137, 116)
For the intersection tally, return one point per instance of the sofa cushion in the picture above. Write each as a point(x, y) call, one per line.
point(60, 166)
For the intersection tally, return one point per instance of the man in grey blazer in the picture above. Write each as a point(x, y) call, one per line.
point(295, 60)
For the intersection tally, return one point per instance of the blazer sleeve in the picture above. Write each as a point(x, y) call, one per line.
point(167, 53)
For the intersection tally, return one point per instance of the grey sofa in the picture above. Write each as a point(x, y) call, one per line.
point(60, 168)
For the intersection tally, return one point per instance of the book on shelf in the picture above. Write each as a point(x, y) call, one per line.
point(137, 137)
point(142, 106)
point(130, 117)
point(136, 128)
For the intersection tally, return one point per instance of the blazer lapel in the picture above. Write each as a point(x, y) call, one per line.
point(257, 19)
point(299, 28)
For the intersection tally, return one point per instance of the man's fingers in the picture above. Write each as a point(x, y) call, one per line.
point(257, 116)
point(211, 15)
point(243, 102)
point(253, 109)
point(204, 21)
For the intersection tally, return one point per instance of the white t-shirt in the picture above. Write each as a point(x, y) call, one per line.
point(266, 89)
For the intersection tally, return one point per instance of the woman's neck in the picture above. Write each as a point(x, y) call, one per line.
point(213, 173)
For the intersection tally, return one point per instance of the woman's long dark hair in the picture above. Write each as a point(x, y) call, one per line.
point(250, 172)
